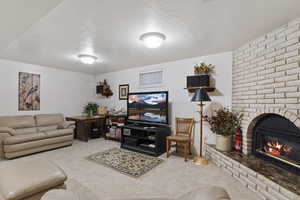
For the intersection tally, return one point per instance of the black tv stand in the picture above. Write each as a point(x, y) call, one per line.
point(147, 138)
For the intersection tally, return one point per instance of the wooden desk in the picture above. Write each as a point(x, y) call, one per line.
point(84, 125)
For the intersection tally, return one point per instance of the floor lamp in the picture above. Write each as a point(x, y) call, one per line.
point(200, 96)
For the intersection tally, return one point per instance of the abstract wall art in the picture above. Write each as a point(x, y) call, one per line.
point(29, 91)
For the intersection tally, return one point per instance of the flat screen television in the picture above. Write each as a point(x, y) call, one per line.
point(148, 107)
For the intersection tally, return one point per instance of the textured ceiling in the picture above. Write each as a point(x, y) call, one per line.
point(110, 29)
point(17, 16)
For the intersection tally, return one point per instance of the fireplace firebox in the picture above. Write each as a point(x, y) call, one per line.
point(277, 140)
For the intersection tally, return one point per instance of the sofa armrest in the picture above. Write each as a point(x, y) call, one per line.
point(7, 130)
point(67, 124)
point(4, 133)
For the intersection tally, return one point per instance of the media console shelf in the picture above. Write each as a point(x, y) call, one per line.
point(146, 139)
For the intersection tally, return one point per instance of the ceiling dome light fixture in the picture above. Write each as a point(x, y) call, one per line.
point(153, 39)
point(87, 59)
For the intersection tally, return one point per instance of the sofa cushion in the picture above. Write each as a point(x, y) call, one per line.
point(23, 131)
point(36, 176)
point(49, 119)
point(206, 193)
point(25, 146)
point(24, 138)
point(47, 128)
point(36, 136)
point(35, 149)
point(17, 122)
point(60, 132)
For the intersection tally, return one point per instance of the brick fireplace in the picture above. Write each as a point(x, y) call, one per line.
point(266, 83)
point(251, 121)
point(266, 78)
point(276, 138)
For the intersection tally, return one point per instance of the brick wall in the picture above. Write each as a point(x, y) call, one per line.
point(266, 73)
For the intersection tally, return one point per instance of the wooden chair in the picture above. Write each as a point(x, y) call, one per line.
point(184, 127)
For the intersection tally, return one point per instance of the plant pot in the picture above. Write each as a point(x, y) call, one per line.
point(200, 73)
point(224, 143)
point(90, 113)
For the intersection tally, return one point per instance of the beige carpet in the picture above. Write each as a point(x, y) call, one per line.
point(170, 179)
point(80, 191)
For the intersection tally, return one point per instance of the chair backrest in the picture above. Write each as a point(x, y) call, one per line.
point(184, 126)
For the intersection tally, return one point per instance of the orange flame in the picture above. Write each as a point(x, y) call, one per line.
point(277, 149)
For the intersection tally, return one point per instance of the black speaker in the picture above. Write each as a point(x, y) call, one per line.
point(197, 81)
point(99, 89)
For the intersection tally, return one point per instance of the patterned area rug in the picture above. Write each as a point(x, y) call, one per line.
point(127, 162)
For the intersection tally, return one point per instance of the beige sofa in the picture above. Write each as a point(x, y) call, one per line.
point(202, 193)
point(29, 179)
point(23, 135)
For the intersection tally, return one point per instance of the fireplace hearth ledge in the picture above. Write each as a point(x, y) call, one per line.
point(265, 179)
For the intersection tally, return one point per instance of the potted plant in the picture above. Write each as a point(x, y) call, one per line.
point(203, 68)
point(91, 108)
point(224, 123)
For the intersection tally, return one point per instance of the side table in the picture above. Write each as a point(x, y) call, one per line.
point(84, 125)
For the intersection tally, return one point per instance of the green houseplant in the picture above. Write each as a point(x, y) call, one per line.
point(203, 68)
point(91, 108)
point(224, 123)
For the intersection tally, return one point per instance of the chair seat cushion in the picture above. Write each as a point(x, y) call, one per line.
point(20, 179)
point(179, 138)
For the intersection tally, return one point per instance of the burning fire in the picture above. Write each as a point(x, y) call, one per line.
point(277, 149)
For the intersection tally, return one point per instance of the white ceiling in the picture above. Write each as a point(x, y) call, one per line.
point(110, 29)
point(17, 16)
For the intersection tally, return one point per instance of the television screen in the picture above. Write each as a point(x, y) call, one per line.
point(148, 107)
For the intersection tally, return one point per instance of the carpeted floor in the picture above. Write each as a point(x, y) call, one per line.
point(171, 178)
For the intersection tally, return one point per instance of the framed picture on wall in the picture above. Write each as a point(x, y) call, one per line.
point(29, 91)
point(123, 91)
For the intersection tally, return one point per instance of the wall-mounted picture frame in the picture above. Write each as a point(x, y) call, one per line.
point(29, 91)
point(123, 91)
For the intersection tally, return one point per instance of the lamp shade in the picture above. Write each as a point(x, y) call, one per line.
point(200, 95)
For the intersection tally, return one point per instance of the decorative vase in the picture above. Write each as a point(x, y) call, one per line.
point(91, 113)
point(224, 143)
